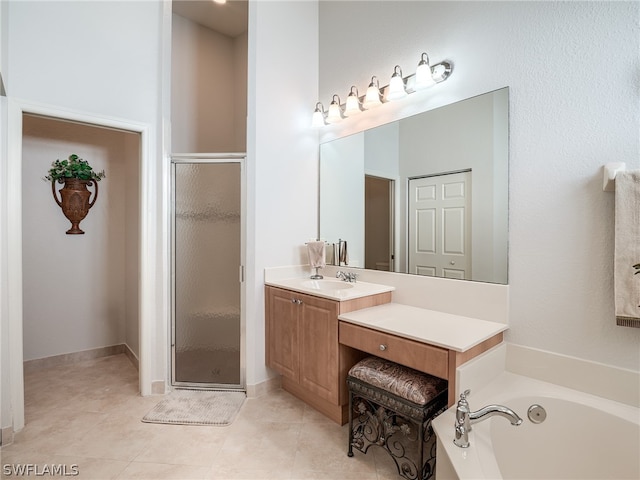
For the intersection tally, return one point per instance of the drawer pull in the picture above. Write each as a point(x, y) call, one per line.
point(383, 347)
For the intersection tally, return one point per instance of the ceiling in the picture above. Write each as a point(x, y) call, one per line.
point(229, 19)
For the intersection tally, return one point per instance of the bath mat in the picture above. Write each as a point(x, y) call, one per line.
point(197, 407)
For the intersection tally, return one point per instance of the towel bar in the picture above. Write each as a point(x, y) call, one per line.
point(610, 171)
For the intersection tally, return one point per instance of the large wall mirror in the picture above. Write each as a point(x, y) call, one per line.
point(425, 195)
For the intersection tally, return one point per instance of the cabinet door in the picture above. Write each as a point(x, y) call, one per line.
point(319, 347)
point(282, 338)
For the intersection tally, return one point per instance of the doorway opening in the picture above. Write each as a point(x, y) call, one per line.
point(80, 293)
point(379, 220)
point(152, 315)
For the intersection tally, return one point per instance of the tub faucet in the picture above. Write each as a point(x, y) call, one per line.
point(465, 418)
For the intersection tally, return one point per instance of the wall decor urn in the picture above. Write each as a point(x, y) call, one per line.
point(75, 201)
point(76, 175)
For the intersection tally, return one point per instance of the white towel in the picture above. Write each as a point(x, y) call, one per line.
point(627, 248)
point(316, 254)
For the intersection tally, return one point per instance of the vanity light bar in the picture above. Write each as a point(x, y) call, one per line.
point(399, 87)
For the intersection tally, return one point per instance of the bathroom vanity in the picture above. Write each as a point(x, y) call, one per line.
point(302, 345)
point(317, 330)
point(426, 340)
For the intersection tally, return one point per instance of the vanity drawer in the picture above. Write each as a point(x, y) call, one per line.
point(422, 357)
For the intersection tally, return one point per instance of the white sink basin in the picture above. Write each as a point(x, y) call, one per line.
point(330, 287)
point(327, 285)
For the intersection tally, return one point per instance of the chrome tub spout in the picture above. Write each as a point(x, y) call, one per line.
point(465, 418)
point(492, 410)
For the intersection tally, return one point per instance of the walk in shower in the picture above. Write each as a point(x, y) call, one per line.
point(207, 272)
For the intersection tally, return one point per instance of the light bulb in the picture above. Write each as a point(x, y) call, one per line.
point(352, 106)
point(372, 97)
point(424, 78)
point(396, 88)
point(318, 116)
point(335, 112)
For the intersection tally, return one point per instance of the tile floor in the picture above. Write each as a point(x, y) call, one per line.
point(89, 415)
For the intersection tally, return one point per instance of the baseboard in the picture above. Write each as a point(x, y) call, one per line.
point(74, 357)
point(158, 387)
point(131, 356)
point(262, 388)
point(6, 436)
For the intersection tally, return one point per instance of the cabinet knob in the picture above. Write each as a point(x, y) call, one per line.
point(383, 347)
point(296, 301)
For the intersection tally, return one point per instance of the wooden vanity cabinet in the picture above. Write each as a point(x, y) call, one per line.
point(302, 345)
point(282, 335)
point(302, 341)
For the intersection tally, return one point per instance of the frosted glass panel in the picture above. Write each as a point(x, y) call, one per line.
point(207, 284)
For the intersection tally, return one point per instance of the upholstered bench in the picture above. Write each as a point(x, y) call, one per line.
point(391, 406)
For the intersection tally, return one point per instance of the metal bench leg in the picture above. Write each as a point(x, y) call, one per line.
point(420, 464)
point(350, 451)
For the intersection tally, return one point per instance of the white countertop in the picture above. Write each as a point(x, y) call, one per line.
point(331, 288)
point(453, 332)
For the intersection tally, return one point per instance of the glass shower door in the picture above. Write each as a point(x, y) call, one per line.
point(206, 343)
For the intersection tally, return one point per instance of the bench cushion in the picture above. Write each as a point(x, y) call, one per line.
point(405, 382)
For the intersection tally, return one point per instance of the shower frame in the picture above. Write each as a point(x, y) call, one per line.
point(209, 158)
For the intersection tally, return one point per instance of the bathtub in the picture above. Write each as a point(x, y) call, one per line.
point(582, 437)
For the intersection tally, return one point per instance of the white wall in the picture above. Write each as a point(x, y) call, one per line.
point(344, 189)
point(572, 71)
point(97, 60)
point(4, 22)
point(240, 46)
point(5, 391)
point(208, 91)
point(77, 289)
point(381, 151)
point(100, 57)
point(282, 152)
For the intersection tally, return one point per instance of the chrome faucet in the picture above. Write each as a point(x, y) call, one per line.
point(465, 418)
point(347, 276)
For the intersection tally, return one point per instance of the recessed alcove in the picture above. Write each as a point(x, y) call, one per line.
point(80, 292)
point(209, 47)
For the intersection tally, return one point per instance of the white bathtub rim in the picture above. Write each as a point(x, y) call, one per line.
point(478, 460)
